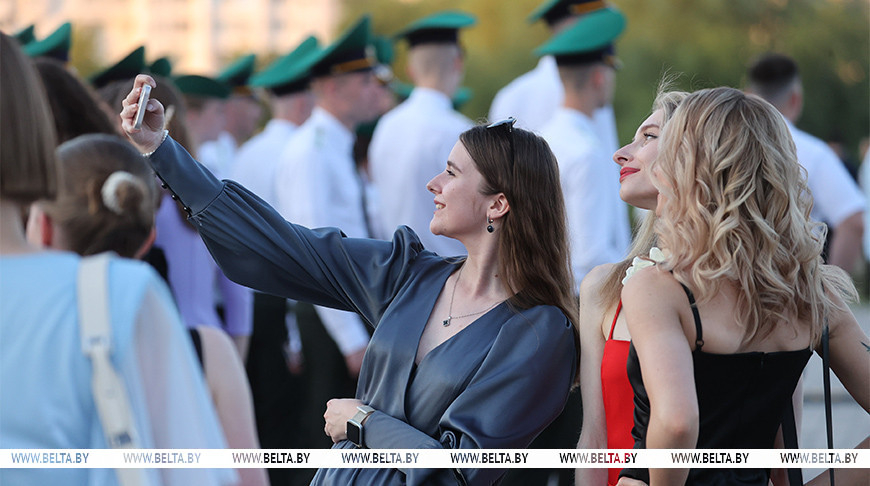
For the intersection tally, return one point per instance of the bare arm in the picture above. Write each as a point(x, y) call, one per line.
point(652, 302)
point(225, 376)
point(593, 432)
point(845, 247)
point(850, 354)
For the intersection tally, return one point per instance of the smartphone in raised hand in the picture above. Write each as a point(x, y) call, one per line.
point(143, 102)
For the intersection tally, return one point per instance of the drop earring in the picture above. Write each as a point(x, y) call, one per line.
point(489, 226)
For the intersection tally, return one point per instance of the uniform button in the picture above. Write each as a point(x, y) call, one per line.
point(187, 209)
point(174, 197)
point(163, 185)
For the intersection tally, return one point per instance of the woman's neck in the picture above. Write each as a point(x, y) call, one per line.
point(12, 237)
point(481, 277)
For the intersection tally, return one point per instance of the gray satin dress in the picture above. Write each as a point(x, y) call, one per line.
point(495, 384)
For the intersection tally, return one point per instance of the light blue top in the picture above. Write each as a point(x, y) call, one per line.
point(46, 397)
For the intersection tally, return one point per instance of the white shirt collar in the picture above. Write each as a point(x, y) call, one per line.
point(577, 118)
point(431, 97)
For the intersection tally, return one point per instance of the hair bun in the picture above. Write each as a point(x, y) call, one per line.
point(110, 190)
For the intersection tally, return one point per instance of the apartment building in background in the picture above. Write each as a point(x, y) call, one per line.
point(199, 36)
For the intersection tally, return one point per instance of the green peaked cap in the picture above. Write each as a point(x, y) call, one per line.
point(442, 27)
point(56, 45)
point(202, 86)
point(553, 11)
point(127, 68)
point(289, 73)
point(384, 51)
point(237, 73)
point(25, 36)
point(590, 39)
point(161, 67)
point(351, 52)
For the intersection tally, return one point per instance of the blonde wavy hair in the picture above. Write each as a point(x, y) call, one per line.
point(644, 236)
point(737, 209)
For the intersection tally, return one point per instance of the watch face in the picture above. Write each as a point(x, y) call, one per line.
point(354, 433)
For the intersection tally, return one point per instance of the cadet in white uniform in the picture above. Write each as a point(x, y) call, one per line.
point(242, 112)
point(837, 200)
point(287, 81)
point(597, 217)
point(411, 143)
point(534, 97)
point(317, 185)
point(275, 366)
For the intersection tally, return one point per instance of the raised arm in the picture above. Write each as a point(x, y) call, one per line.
point(850, 353)
point(256, 247)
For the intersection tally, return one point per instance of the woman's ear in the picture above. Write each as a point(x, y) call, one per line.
point(39, 229)
point(149, 242)
point(499, 206)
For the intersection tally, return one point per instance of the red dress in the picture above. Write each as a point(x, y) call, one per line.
point(618, 396)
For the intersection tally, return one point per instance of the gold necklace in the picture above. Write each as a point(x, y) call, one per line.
point(450, 316)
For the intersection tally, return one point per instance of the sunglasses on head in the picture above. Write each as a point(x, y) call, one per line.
point(506, 126)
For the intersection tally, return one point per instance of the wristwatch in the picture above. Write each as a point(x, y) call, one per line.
point(355, 425)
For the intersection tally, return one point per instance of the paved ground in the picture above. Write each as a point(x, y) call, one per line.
point(851, 424)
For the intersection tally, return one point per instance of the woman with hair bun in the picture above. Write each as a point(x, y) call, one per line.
point(42, 361)
point(106, 201)
point(723, 327)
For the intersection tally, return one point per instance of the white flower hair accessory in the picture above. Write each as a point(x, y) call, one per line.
point(655, 256)
point(109, 190)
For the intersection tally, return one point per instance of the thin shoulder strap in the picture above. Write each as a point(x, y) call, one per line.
point(110, 395)
point(699, 334)
point(826, 366)
point(613, 325)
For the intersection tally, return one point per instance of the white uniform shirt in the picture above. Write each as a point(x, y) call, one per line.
point(597, 218)
point(410, 146)
point(218, 155)
point(534, 97)
point(257, 159)
point(836, 196)
point(317, 185)
point(864, 176)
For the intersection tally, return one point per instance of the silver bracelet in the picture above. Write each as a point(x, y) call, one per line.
point(165, 134)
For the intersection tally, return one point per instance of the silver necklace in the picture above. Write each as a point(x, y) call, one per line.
point(450, 316)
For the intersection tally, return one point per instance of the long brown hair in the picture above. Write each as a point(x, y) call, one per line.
point(533, 236)
point(74, 105)
point(27, 164)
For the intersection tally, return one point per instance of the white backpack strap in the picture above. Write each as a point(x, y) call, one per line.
point(110, 395)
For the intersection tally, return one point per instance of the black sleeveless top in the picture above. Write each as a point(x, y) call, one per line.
point(742, 398)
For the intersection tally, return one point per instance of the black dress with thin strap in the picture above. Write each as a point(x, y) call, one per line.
point(741, 401)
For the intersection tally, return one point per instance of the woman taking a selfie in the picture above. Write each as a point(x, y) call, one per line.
point(456, 339)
